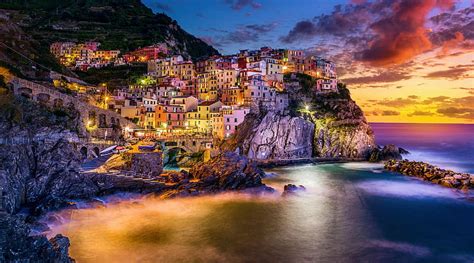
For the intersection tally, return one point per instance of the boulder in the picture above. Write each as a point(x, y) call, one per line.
point(291, 189)
point(388, 152)
point(228, 171)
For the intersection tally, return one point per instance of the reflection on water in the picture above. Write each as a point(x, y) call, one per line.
point(350, 212)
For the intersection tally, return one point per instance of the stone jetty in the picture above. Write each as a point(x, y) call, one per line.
point(432, 173)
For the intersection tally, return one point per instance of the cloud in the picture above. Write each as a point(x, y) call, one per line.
point(246, 34)
point(163, 7)
point(390, 113)
point(382, 77)
point(402, 35)
point(457, 112)
point(420, 113)
point(439, 99)
point(469, 90)
point(303, 30)
point(397, 103)
point(446, 25)
point(239, 4)
point(450, 44)
point(441, 106)
point(262, 28)
point(343, 21)
point(457, 72)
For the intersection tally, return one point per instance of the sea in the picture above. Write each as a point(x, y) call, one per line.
point(350, 212)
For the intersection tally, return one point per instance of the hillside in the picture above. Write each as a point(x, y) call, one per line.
point(30, 26)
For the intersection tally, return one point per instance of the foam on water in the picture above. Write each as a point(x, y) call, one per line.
point(411, 188)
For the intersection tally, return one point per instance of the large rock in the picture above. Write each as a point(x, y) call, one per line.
point(388, 152)
point(41, 171)
point(228, 171)
point(281, 137)
point(275, 137)
point(16, 244)
point(143, 165)
point(313, 125)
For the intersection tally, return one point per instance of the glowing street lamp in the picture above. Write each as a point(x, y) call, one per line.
point(306, 107)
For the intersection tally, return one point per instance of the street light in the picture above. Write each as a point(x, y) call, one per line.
point(306, 107)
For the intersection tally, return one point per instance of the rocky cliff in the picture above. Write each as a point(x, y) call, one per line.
point(329, 125)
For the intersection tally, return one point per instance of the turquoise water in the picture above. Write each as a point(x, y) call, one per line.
point(352, 212)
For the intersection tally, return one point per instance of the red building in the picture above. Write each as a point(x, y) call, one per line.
point(147, 53)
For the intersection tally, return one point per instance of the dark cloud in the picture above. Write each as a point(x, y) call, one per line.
point(460, 107)
point(469, 90)
point(379, 78)
point(262, 28)
point(397, 103)
point(390, 113)
point(457, 72)
point(303, 30)
point(457, 112)
point(420, 113)
point(245, 34)
point(343, 21)
point(239, 4)
point(439, 99)
point(163, 7)
point(447, 25)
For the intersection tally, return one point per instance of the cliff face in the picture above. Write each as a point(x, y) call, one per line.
point(279, 136)
point(314, 125)
point(341, 129)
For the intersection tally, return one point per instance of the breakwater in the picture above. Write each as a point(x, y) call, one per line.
point(432, 173)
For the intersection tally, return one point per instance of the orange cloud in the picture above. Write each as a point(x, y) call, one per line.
point(402, 35)
point(452, 43)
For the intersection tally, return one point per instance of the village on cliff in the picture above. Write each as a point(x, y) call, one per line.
point(206, 97)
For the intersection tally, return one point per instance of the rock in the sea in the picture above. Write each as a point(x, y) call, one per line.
point(388, 152)
point(291, 189)
point(228, 171)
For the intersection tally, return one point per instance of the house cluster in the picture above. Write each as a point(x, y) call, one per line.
point(83, 56)
point(213, 96)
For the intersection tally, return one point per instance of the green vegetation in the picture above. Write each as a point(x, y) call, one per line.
point(113, 76)
point(118, 24)
point(307, 82)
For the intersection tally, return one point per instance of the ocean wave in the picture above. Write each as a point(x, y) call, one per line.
point(409, 189)
point(414, 250)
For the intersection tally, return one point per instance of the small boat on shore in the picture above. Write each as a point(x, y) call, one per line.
point(148, 148)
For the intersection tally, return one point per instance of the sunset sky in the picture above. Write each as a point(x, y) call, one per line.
point(404, 60)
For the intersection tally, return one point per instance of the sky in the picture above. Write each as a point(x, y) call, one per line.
point(406, 61)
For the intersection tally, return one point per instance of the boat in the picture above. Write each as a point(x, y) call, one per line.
point(108, 150)
point(147, 147)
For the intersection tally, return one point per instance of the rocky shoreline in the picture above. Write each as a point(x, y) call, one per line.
point(434, 174)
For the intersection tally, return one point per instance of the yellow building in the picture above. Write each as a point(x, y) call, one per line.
point(200, 119)
point(207, 86)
